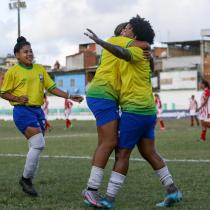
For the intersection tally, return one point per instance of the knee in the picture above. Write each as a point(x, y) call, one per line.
point(122, 156)
point(149, 154)
point(37, 141)
point(109, 144)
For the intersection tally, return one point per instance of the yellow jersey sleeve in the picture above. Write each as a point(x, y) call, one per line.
point(136, 54)
point(8, 82)
point(120, 41)
point(49, 84)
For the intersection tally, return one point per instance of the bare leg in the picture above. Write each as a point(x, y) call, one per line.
point(107, 141)
point(197, 121)
point(122, 161)
point(147, 149)
point(192, 121)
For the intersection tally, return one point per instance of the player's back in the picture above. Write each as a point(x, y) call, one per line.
point(136, 89)
point(106, 79)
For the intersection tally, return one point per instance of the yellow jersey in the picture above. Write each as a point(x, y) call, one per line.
point(20, 80)
point(136, 89)
point(106, 83)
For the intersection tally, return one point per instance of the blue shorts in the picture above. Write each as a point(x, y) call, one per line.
point(134, 127)
point(104, 110)
point(26, 116)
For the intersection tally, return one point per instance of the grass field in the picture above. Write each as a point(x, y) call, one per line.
point(63, 172)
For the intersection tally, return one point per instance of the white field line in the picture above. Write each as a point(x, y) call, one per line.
point(52, 136)
point(89, 158)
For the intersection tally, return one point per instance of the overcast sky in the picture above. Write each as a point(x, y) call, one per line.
point(55, 27)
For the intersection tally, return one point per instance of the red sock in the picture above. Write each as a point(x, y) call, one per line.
point(162, 124)
point(68, 123)
point(203, 135)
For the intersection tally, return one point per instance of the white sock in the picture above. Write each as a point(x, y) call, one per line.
point(115, 183)
point(36, 145)
point(164, 176)
point(96, 176)
point(31, 164)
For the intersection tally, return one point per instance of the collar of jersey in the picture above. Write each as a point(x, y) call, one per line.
point(25, 67)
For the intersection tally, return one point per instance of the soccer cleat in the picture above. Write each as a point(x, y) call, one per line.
point(28, 187)
point(91, 198)
point(171, 199)
point(107, 204)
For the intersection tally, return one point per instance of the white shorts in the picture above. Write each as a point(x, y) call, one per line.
point(67, 112)
point(207, 119)
point(159, 113)
point(201, 117)
point(193, 113)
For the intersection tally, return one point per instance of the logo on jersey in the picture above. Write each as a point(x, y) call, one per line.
point(41, 78)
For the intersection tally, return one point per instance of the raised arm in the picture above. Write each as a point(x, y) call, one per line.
point(119, 52)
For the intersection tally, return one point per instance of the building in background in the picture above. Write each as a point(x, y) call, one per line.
point(79, 70)
point(179, 66)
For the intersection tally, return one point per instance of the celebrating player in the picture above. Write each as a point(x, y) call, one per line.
point(203, 109)
point(45, 110)
point(193, 108)
point(102, 99)
point(67, 111)
point(138, 118)
point(159, 111)
point(23, 87)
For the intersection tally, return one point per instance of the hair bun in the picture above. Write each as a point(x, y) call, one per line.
point(21, 39)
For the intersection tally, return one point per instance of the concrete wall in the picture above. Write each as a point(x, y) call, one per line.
point(75, 62)
point(172, 100)
point(180, 62)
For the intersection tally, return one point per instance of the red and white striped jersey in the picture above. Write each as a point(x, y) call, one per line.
point(68, 104)
point(204, 110)
point(208, 106)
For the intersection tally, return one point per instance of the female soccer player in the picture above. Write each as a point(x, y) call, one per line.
point(203, 109)
point(23, 87)
point(193, 111)
point(102, 99)
point(138, 118)
point(45, 110)
point(67, 111)
point(159, 111)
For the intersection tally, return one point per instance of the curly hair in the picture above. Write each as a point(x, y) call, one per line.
point(205, 83)
point(142, 29)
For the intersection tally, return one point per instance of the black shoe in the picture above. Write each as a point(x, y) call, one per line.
point(28, 187)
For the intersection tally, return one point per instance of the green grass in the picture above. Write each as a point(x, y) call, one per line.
point(60, 181)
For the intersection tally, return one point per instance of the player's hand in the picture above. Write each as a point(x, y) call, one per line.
point(22, 99)
point(76, 98)
point(89, 33)
point(147, 55)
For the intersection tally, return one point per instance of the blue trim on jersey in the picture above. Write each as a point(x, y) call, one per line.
point(26, 116)
point(134, 127)
point(104, 110)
